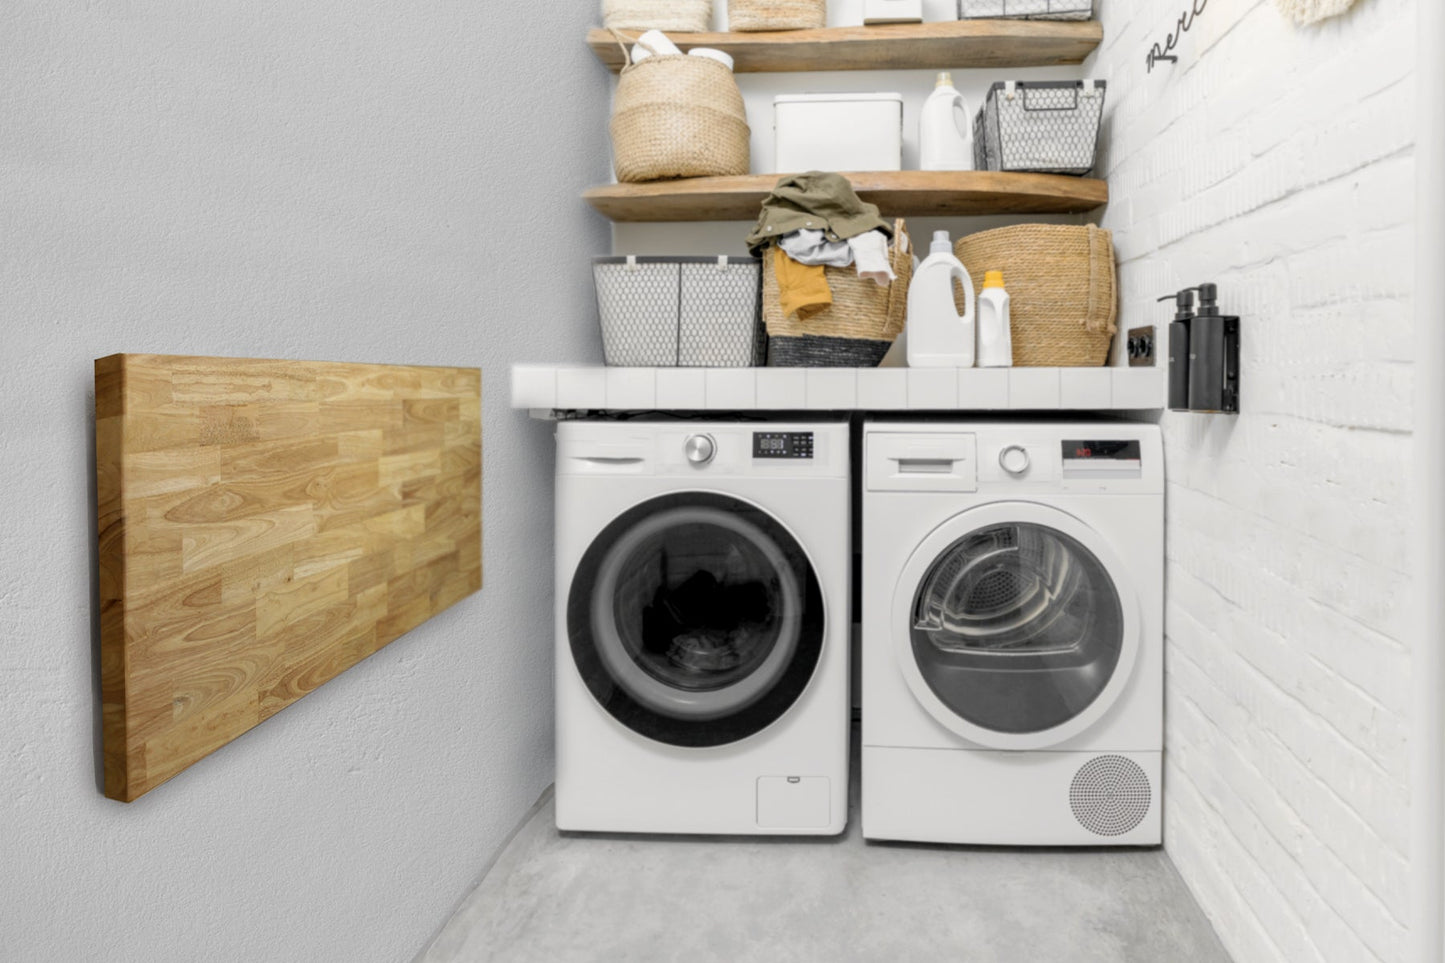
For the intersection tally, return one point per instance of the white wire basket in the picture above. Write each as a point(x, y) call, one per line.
point(1026, 9)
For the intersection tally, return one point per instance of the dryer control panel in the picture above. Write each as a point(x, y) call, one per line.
point(1096, 458)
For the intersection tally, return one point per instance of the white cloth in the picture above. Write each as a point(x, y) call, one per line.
point(870, 253)
point(810, 247)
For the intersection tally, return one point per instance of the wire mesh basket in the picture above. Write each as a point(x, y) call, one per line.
point(1043, 127)
point(1026, 9)
point(688, 312)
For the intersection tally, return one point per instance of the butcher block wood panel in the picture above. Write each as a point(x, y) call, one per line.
point(263, 526)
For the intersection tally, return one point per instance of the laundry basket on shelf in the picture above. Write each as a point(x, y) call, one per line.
point(677, 116)
point(856, 330)
point(759, 15)
point(1062, 284)
point(669, 16)
point(680, 311)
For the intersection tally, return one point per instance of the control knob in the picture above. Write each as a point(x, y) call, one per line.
point(700, 449)
point(1014, 459)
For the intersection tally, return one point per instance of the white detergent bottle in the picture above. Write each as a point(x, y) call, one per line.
point(945, 137)
point(938, 336)
point(995, 342)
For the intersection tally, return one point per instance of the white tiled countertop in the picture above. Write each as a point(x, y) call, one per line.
point(546, 387)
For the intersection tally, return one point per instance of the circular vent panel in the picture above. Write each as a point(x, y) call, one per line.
point(1110, 795)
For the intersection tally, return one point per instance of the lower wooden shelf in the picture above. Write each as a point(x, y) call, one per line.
point(546, 388)
point(897, 194)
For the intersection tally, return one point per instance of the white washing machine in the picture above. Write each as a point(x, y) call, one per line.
point(1013, 633)
point(702, 627)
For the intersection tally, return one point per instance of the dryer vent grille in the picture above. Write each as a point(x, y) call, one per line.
point(1110, 795)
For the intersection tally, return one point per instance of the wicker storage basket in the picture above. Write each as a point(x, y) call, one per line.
point(678, 116)
point(751, 16)
point(1061, 281)
point(669, 16)
point(856, 331)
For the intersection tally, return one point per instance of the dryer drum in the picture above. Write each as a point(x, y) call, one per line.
point(1007, 588)
point(1017, 627)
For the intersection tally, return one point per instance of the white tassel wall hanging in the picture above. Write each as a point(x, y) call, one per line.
point(1304, 12)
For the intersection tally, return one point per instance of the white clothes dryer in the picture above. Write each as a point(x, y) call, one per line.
point(1013, 633)
point(703, 603)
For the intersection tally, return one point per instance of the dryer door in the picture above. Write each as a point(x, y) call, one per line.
point(695, 619)
point(1015, 625)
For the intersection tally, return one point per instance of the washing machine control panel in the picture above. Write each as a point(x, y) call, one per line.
point(783, 444)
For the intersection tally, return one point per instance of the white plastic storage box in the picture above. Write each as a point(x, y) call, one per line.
point(892, 11)
point(838, 132)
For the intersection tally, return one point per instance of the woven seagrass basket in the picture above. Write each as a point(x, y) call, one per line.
point(859, 327)
point(751, 16)
point(1062, 286)
point(669, 16)
point(678, 116)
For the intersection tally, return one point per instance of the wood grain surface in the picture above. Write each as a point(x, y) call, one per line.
point(897, 194)
point(263, 526)
point(903, 46)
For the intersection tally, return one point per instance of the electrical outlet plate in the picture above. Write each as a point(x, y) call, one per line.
point(1140, 347)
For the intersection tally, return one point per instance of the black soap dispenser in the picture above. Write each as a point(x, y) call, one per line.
point(1179, 348)
point(1213, 357)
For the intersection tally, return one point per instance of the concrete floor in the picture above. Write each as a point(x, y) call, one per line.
point(561, 897)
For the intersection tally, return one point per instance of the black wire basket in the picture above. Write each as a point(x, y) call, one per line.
point(688, 312)
point(1041, 127)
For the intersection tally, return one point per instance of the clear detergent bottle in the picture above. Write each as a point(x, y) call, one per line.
point(938, 336)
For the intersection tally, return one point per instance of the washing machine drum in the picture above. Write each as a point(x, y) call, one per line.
point(695, 619)
point(1017, 627)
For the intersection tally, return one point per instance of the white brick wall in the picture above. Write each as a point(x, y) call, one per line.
point(1278, 163)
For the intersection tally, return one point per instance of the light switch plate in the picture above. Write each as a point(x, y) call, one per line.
point(1140, 347)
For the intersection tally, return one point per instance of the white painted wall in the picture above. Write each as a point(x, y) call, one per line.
point(1278, 162)
point(320, 180)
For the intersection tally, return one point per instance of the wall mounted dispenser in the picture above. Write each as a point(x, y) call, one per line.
point(1203, 354)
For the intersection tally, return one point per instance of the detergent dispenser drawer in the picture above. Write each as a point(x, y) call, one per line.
point(922, 462)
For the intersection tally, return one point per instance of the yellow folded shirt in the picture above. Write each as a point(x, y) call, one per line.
point(802, 288)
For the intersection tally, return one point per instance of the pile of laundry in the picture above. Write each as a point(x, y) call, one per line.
point(812, 222)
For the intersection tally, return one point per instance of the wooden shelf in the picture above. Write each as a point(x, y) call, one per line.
point(904, 46)
point(897, 194)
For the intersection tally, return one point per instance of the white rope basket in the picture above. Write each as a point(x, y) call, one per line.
point(1304, 12)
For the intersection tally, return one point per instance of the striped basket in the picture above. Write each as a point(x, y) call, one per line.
point(751, 16)
point(1062, 285)
point(669, 16)
point(856, 331)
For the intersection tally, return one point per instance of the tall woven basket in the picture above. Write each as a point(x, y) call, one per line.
point(750, 16)
point(677, 116)
point(1062, 285)
point(856, 331)
point(669, 16)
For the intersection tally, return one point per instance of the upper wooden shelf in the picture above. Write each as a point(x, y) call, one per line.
point(897, 194)
point(902, 46)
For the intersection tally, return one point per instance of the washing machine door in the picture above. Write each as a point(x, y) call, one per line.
point(695, 619)
point(1015, 625)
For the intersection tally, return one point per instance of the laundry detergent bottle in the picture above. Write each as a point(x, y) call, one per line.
point(938, 336)
point(995, 340)
point(945, 137)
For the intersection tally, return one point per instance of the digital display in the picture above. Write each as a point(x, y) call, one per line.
point(782, 444)
point(1101, 451)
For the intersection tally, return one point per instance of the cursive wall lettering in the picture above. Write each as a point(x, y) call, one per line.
point(1160, 52)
